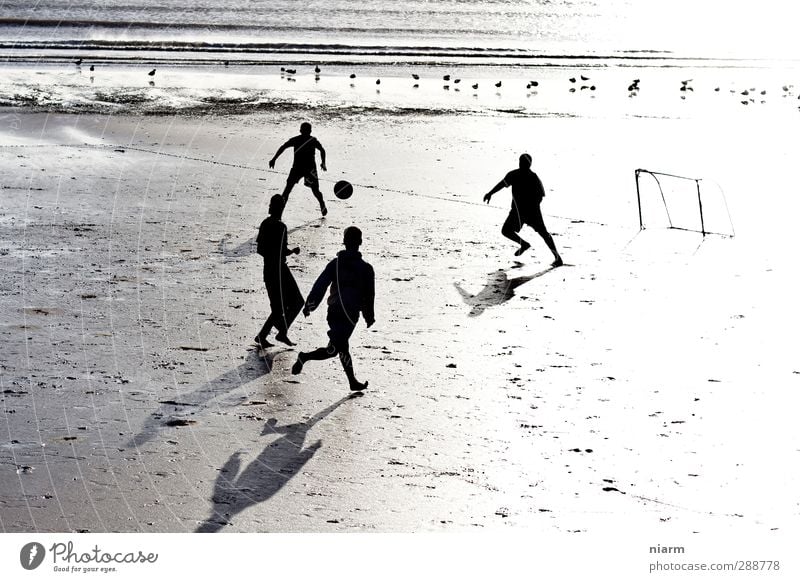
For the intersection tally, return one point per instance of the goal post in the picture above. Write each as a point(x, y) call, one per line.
point(683, 203)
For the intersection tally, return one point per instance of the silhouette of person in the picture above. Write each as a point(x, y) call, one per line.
point(305, 164)
point(352, 291)
point(237, 489)
point(285, 299)
point(526, 197)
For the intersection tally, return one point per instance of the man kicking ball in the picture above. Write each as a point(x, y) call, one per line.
point(305, 163)
point(526, 197)
point(352, 284)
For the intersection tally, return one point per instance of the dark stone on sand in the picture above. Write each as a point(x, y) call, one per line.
point(180, 422)
point(611, 489)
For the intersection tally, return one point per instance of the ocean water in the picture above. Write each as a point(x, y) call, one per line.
point(230, 55)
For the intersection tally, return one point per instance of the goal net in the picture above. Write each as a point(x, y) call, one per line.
point(681, 203)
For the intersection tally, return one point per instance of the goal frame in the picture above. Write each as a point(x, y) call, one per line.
point(640, 171)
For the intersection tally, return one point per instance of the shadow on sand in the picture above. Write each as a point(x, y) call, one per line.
point(499, 289)
point(248, 247)
point(174, 412)
point(267, 474)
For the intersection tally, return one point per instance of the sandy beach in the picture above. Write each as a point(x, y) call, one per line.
point(649, 383)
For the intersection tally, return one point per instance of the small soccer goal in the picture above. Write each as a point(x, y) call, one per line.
point(681, 203)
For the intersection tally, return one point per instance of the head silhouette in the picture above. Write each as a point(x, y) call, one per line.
point(525, 161)
point(305, 128)
point(276, 205)
point(352, 238)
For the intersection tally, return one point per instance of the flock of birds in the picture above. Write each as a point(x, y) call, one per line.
point(752, 94)
point(151, 74)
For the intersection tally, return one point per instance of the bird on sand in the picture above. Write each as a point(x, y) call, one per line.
point(498, 84)
point(152, 73)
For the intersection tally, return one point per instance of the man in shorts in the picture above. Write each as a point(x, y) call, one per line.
point(526, 197)
point(352, 291)
point(305, 163)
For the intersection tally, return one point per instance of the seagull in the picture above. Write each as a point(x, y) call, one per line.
point(78, 62)
point(152, 73)
point(475, 86)
point(291, 71)
point(572, 79)
point(498, 84)
point(446, 77)
point(91, 68)
point(317, 69)
point(378, 82)
point(415, 76)
point(352, 75)
point(534, 83)
point(584, 78)
point(225, 63)
point(457, 81)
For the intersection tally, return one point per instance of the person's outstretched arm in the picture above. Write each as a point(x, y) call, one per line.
point(500, 185)
point(320, 287)
point(277, 154)
point(321, 156)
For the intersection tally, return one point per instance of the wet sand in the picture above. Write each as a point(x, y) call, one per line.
point(649, 383)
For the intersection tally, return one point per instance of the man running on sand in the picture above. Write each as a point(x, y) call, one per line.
point(305, 164)
point(352, 283)
point(285, 298)
point(526, 196)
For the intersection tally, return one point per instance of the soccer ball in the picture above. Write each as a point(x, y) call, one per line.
point(343, 190)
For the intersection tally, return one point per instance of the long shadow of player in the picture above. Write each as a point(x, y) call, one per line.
point(174, 412)
point(267, 474)
point(499, 289)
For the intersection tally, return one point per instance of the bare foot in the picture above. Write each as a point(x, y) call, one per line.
point(522, 248)
point(262, 343)
point(298, 366)
point(358, 386)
